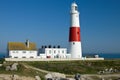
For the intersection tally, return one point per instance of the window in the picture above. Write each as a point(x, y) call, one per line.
point(73, 43)
point(63, 51)
point(76, 8)
point(58, 51)
point(15, 51)
point(31, 57)
point(15, 57)
point(50, 51)
point(24, 51)
point(54, 51)
point(23, 57)
point(31, 52)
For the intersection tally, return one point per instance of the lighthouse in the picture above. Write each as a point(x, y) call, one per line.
point(74, 33)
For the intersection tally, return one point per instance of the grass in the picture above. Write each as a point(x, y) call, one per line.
point(73, 67)
point(106, 78)
point(1, 60)
point(67, 67)
point(95, 77)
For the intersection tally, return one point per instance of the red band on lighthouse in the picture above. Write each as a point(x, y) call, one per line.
point(74, 34)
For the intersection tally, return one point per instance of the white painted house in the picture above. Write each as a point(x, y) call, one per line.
point(22, 50)
point(55, 52)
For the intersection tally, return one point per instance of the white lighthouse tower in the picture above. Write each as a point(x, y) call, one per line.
point(74, 33)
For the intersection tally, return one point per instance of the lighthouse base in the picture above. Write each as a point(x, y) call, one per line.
point(75, 50)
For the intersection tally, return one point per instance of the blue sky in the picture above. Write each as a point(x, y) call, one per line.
point(47, 22)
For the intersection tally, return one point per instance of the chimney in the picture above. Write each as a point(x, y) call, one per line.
point(27, 43)
point(58, 46)
point(54, 47)
point(49, 46)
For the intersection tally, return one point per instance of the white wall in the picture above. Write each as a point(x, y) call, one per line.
point(75, 49)
point(56, 59)
point(54, 53)
point(22, 54)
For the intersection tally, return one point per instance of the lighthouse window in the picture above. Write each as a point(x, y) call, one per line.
point(73, 43)
point(76, 8)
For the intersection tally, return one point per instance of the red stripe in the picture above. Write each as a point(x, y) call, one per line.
point(74, 34)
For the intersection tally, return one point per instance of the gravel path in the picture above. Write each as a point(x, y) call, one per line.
point(34, 68)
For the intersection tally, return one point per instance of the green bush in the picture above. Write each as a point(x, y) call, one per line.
point(2, 60)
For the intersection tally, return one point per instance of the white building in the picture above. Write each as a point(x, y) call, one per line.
point(55, 52)
point(22, 50)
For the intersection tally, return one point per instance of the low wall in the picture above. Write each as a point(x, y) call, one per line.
point(49, 59)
